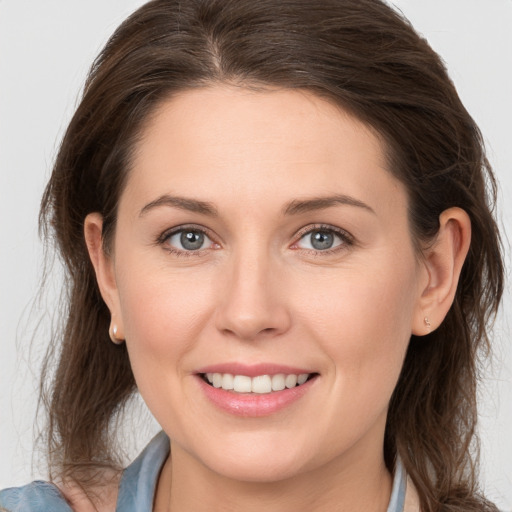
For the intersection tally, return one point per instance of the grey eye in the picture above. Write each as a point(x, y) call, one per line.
point(320, 240)
point(188, 240)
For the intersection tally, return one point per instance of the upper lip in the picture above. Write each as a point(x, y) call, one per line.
point(253, 370)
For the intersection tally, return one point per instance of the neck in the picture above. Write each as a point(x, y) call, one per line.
point(351, 483)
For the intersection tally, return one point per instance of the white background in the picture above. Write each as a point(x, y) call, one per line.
point(46, 47)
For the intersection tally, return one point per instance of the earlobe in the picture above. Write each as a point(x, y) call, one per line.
point(104, 269)
point(443, 261)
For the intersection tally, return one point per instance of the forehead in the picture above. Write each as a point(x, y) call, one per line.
point(231, 142)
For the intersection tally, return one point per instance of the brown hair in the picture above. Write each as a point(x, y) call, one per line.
point(359, 54)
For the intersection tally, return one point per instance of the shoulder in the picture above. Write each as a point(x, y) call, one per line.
point(35, 497)
point(133, 490)
point(42, 496)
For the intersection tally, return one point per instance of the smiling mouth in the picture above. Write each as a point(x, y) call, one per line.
point(261, 384)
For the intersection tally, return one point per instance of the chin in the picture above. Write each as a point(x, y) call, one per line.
point(263, 461)
point(262, 471)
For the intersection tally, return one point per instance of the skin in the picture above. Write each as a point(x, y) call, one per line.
point(258, 291)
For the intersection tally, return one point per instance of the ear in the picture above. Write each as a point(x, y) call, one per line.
point(105, 273)
point(443, 262)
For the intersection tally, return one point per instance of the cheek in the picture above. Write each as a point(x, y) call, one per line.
point(365, 299)
point(163, 315)
point(364, 325)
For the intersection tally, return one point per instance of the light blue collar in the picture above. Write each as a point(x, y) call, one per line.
point(397, 501)
point(138, 483)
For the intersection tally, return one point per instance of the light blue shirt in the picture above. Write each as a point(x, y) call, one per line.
point(137, 487)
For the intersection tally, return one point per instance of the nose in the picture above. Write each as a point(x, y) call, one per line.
point(253, 304)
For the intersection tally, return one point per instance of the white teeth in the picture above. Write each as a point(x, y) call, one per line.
point(260, 384)
point(242, 384)
point(217, 380)
point(303, 377)
point(290, 381)
point(227, 381)
point(278, 382)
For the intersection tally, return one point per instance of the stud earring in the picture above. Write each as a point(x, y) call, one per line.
point(427, 323)
point(113, 334)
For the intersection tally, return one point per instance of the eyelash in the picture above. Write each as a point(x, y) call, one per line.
point(166, 235)
point(347, 240)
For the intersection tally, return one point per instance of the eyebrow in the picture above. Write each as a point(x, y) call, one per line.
point(183, 203)
point(295, 207)
point(299, 206)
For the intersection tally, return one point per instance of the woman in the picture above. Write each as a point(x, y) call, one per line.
point(277, 229)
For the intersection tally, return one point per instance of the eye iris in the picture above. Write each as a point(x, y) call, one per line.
point(322, 240)
point(191, 240)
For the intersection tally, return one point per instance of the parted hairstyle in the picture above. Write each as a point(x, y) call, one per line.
point(358, 54)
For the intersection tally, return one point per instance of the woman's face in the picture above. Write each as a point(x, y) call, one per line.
point(261, 238)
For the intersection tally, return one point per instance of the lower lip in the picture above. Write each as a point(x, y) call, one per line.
point(254, 404)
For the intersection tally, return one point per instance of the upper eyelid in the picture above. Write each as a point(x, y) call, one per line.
point(324, 227)
point(191, 227)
